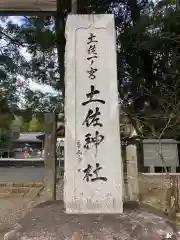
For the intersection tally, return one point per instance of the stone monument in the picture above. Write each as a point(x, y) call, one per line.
point(93, 171)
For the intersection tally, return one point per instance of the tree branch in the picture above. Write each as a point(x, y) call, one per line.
point(11, 39)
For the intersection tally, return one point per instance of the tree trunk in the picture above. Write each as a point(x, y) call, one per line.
point(61, 42)
point(74, 6)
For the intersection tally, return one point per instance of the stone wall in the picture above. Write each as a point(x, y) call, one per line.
point(12, 189)
point(153, 190)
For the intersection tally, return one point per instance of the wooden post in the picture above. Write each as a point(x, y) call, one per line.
point(74, 6)
point(60, 41)
point(50, 156)
point(14, 6)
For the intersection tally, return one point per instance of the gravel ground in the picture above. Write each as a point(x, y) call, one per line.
point(12, 209)
point(48, 221)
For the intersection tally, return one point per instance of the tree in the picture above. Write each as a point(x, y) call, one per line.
point(4, 139)
point(35, 125)
point(6, 115)
point(15, 128)
point(148, 56)
point(12, 62)
point(144, 49)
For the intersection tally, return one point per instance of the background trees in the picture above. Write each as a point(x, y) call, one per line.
point(147, 60)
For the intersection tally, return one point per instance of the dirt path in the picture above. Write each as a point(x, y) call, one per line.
point(12, 209)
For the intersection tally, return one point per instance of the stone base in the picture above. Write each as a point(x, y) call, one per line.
point(48, 221)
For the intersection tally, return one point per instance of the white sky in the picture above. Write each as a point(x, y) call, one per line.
point(33, 85)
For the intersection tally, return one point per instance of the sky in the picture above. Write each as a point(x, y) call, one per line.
point(32, 84)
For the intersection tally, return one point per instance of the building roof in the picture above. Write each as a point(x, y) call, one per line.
point(29, 137)
point(60, 132)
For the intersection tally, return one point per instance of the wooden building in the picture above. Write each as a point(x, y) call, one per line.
point(27, 142)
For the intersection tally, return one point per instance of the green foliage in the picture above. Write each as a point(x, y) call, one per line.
point(35, 125)
point(12, 62)
point(15, 128)
point(6, 116)
point(148, 58)
point(32, 124)
point(4, 139)
point(37, 35)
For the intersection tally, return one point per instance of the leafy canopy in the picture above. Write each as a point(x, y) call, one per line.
point(148, 38)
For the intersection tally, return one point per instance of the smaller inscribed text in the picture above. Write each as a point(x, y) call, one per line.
point(93, 115)
point(79, 153)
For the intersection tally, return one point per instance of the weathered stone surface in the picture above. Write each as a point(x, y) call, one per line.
point(48, 221)
point(132, 173)
point(93, 172)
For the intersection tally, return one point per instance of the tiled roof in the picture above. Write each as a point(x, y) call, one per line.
point(29, 137)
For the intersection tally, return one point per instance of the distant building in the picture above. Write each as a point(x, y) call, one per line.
point(28, 138)
point(27, 142)
point(60, 140)
point(60, 132)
